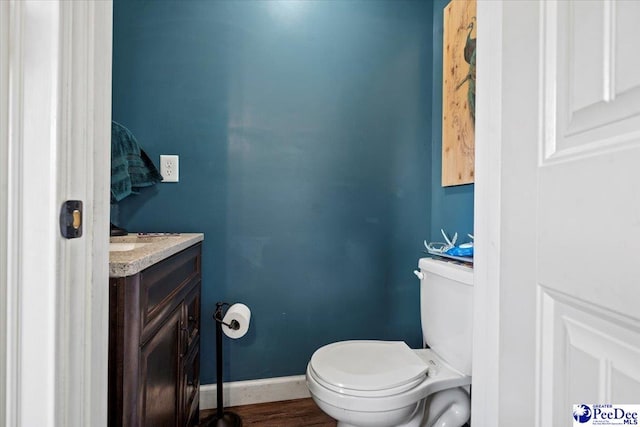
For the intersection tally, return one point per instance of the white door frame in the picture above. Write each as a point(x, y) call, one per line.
point(6, 381)
point(487, 221)
point(55, 112)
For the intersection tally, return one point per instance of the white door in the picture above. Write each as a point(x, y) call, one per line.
point(55, 102)
point(558, 210)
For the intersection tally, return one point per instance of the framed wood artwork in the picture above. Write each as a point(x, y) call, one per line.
point(458, 92)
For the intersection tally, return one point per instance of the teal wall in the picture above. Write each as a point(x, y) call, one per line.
point(304, 134)
point(451, 207)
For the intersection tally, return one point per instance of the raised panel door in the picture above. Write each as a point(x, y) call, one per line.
point(570, 212)
point(159, 375)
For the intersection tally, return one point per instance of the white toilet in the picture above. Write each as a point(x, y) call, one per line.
point(387, 384)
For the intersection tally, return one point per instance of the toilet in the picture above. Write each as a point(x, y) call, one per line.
point(387, 384)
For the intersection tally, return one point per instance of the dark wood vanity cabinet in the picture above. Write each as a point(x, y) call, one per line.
point(154, 344)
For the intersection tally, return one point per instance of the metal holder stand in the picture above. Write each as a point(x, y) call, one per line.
point(223, 418)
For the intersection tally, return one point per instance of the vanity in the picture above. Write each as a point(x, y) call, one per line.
point(154, 330)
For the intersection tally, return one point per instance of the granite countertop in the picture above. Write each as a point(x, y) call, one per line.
point(133, 253)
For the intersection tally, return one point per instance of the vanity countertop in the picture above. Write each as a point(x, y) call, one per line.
point(133, 253)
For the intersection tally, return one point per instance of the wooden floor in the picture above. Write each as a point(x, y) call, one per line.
point(289, 413)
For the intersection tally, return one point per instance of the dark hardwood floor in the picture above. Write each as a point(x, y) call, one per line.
point(288, 413)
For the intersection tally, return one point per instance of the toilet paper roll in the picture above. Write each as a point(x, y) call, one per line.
point(241, 314)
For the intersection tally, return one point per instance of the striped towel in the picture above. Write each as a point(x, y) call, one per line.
point(131, 168)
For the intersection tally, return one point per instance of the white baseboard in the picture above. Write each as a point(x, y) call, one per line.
point(255, 391)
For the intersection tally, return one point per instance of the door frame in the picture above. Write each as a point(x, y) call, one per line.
point(487, 219)
point(55, 116)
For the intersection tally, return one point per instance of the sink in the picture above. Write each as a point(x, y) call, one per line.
point(130, 254)
point(126, 246)
point(132, 242)
point(132, 238)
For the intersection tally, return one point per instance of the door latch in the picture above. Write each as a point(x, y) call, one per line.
point(71, 219)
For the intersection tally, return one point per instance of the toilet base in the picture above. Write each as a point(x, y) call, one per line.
point(414, 420)
point(449, 407)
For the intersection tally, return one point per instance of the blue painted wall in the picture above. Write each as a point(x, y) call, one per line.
point(303, 130)
point(451, 207)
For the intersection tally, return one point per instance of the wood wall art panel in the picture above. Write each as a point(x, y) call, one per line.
point(458, 92)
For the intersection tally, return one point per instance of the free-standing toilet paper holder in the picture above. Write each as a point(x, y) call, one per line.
point(223, 418)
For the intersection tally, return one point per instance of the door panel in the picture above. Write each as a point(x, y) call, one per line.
point(591, 84)
point(159, 375)
point(191, 375)
point(588, 356)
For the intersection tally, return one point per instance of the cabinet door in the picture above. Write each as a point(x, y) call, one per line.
point(192, 385)
point(192, 314)
point(160, 373)
point(191, 370)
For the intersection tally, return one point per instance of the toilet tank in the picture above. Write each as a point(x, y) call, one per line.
point(446, 307)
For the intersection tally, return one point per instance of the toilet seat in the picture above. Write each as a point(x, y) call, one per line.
point(440, 376)
point(367, 368)
point(363, 393)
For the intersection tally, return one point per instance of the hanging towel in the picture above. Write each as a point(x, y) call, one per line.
point(131, 168)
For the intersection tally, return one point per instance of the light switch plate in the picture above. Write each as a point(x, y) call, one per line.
point(170, 167)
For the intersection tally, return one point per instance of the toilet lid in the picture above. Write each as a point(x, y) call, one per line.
point(367, 365)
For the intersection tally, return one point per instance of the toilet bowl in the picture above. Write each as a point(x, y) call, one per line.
point(386, 383)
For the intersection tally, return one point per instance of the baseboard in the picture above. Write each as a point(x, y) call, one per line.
point(255, 391)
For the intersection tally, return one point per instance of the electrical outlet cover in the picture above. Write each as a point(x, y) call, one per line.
point(169, 168)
